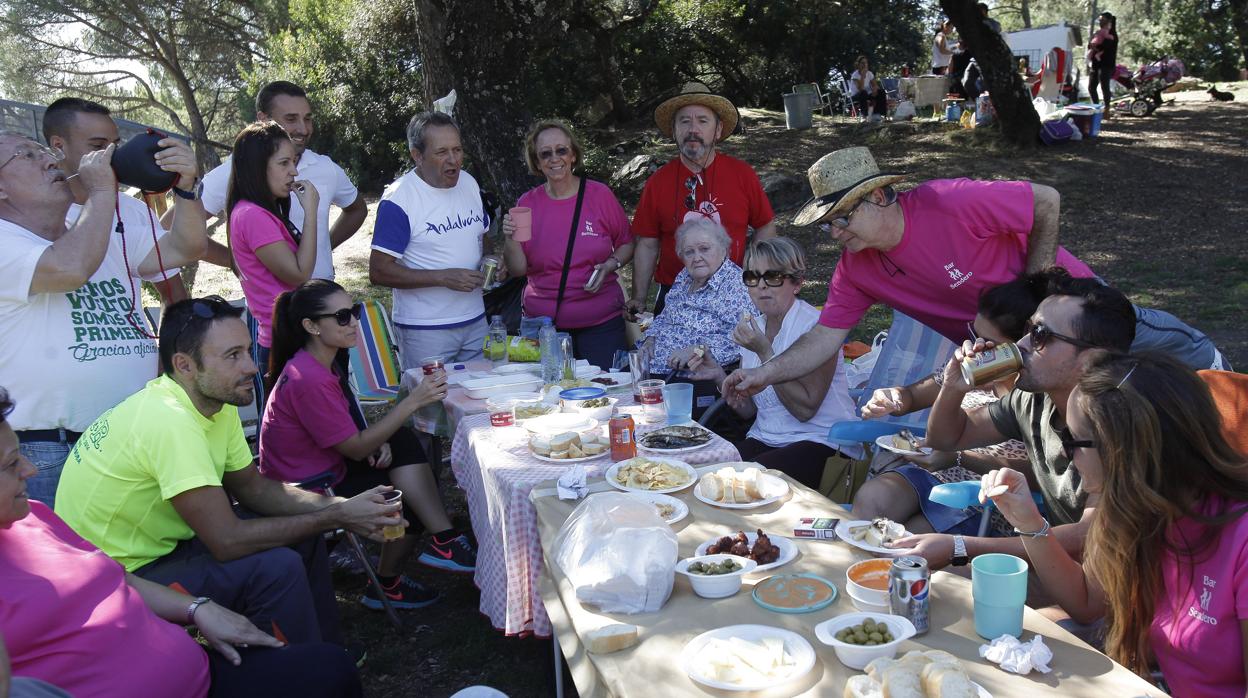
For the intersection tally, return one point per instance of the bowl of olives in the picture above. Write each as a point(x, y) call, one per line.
point(859, 638)
point(715, 576)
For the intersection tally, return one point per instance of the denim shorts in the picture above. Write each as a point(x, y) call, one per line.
point(49, 458)
point(942, 518)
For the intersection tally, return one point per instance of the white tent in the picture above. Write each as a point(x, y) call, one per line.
point(1033, 43)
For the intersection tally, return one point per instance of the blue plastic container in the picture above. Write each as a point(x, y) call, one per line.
point(582, 393)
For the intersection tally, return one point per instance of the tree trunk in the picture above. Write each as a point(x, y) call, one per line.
point(480, 48)
point(1020, 124)
point(1239, 21)
point(604, 42)
point(1024, 11)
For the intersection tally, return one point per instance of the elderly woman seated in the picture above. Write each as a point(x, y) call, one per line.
point(791, 419)
point(705, 304)
point(72, 617)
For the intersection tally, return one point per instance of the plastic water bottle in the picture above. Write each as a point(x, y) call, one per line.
point(496, 342)
point(548, 341)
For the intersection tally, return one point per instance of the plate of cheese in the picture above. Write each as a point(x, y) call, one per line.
point(747, 657)
point(569, 446)
point(740, 486)
point(872, 535)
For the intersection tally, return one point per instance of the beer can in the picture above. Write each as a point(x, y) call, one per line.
point(909, 586)
point(596, 277)
point(489, 267)
point(992, 364)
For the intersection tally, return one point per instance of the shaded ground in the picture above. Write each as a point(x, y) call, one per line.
point(1156, 205)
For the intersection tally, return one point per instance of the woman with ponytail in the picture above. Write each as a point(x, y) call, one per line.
point(1166, 560)
point(312, 425)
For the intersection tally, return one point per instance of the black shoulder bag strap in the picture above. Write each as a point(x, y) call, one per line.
point(567, 258)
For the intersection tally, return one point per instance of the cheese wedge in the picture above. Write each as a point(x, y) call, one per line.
point(611, 638)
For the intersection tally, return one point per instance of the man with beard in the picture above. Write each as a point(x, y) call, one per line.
point(1079, 314)
point(151, 481)
point(700, 182)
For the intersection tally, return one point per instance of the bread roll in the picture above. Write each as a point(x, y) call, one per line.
point(560, 442)
point(739, 495)
point(559, 455)
point(946, 680)
point(540, 445)
point(575, 451)
point(712, 487)
point(750, 477)
point(875, 669)
point(863, 687)
point(611, 638)
point(901, 681)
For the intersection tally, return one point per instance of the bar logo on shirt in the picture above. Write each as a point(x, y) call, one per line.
point(1206, 596)
point(956, 274)
point(460, 222)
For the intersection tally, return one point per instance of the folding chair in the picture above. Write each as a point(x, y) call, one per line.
point(375, 372)
point(844, 102)
point(250, 414)
point(823, 101)
point(321, 483)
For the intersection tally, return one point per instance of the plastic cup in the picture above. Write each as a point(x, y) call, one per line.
point(432, 364)
point(395, 531)
point(522, 217)
point(679, 400)
point(502, 412)
point(650, 392)
point(999, 588)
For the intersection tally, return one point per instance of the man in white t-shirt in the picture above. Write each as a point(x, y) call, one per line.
point(428, 242)
point(73, 341)
point(287, 104)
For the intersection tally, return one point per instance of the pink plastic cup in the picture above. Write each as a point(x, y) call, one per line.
point(522, 217)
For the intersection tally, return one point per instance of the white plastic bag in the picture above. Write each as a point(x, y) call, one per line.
point(858, 371)
point(618, 554)
point(905, 110)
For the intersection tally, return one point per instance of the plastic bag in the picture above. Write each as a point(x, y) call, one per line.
point(618, 554)
point(858, 371)
point(905, 110)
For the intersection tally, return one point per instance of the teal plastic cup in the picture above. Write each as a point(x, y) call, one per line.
point(999, 588)
point(679, 399)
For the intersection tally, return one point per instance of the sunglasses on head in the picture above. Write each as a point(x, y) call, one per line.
point(1070, 444)
point(691, 185)
point(342, 316)
point(770, 278)
point(206, 308)
point(559, 151)
point(1040, 335)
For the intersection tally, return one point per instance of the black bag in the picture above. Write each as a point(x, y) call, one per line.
point(504, 300)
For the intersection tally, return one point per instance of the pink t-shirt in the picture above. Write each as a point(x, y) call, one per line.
point(306, 416)
point(252, 227)
point(1196, 626)
point(69, 618)
point(603, 229)
point(962, 237)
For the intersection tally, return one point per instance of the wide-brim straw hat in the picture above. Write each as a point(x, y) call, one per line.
point(697, 93)
point(838, 180)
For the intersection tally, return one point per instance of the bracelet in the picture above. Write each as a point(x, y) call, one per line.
point(190, 610)
point(1042, 533)
point(957, 460)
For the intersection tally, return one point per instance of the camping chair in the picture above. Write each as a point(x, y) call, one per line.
point(251, 414)
point(322, 484)
point(892, 93)
point(844, 104)
point(375, 372)
point(1230, 396)
point(1048, 84)
point(823, 101)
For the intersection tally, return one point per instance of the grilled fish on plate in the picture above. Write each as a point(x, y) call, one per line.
point(676, 437)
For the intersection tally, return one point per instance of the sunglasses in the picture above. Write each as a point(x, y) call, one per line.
point(1070, 444)
point(842, 222)
point(1040, 335)
point(207, 308)
point(560, 151)
point(342, 316)
point(691, 185)
point(769, 278)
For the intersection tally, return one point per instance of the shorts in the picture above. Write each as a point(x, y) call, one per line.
point(943, 519)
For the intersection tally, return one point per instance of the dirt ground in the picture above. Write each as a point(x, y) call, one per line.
point(1156, 205)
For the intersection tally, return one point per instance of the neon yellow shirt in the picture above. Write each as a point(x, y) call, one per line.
point(118, 481)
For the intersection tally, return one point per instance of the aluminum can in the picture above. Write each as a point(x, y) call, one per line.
point(623, 437)
point(993, 364)
point(909, 587)
point(489, 267)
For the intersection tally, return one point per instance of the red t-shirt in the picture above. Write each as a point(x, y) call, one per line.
point(68, 617)
point(306, 416)
point(962, 237)
point(729, 193)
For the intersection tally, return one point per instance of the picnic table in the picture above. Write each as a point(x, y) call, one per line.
point(1077, 669)
point(497, 472)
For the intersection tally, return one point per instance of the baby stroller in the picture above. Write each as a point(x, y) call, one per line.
point(1146, 85)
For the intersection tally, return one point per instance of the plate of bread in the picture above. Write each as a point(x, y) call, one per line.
point(569, 446)
point(740, 486)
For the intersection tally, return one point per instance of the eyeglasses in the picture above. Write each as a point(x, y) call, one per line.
point(842, 222)
point(770, 278)
point(691, 185)
point(342, 316)
point(34, 153)
point(560, 151)
point(206, 308)
point(1040, 335)
point(703, 250)
point(1070, 444)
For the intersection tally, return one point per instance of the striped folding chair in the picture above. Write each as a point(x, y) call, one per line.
point(375, 372)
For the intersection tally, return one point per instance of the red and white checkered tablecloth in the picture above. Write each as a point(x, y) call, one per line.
point(497, 471)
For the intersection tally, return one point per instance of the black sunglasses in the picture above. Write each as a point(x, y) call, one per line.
point(1070, 444)
point(691, 185)
point(343, 316)
point(770, 278)
point(206, 308)
point(1040, 335)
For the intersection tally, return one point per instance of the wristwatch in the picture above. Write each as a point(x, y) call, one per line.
point(1042, 533)
point(190, 610)
point(960, 557)
point(192, 195)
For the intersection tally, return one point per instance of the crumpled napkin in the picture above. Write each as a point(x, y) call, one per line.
point(1018, 657)
point(571, 484)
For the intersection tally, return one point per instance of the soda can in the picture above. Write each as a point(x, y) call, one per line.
point(623, 437)
point(993, 364)
point(489, 267)
point(909, 587)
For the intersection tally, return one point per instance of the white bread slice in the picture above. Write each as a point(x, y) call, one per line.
point(862, 686)
point(559, 455)
point(593, 449)
point(750, 477)
point(575, 451)
point(560, 442)
point(611, 638)
point(901, 681)
point(739, 495)
point(947, 680)
point(540, 445)
point(712, 487)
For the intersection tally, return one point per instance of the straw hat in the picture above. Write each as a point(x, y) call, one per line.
point(838, 180)
point(697, 93)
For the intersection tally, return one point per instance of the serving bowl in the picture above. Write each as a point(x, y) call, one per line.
point(716, 586)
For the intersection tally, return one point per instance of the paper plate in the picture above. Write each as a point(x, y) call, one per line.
point(796, 592)
point(795, 645)
point(842, 532)
point(886, 442)
point(693, 475)
point(776, 488)
point(788, 550)
point(680, 509)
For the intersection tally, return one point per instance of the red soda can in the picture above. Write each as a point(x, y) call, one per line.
point(623, 437)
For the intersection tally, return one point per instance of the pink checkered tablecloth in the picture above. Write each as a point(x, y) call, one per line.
point(497, 471)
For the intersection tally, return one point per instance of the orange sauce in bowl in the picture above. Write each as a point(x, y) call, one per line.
point(872, 574)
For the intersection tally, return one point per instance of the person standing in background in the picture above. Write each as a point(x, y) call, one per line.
point(1102, 58)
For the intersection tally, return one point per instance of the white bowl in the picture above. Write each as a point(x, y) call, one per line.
point(866, 606)
point(716, 586)
point(599, 413)
point(875, 568)
point(858, 656)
